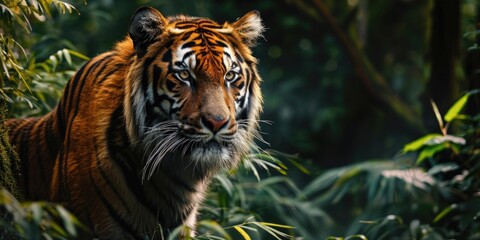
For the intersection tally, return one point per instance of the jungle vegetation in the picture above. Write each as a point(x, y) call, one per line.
point(373, 112)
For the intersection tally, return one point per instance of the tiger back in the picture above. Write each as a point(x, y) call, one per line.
point(139, 132)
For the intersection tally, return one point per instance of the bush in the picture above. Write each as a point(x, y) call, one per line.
point(430, 191)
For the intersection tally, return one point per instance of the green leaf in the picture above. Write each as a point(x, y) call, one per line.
point(419, 143)
point(267, 227)
point(68, 220)
point(226, 183)
point(456, 108)
point(454, 111)
point(212, 225)
point(242, 232)
point(357, 236)
point(438, 116)
point(37, 212)
point(276, 225)
point(67, 56)
point(430, 151)
point(78, 55)
point(445, 212)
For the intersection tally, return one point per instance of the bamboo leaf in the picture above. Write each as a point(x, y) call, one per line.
point(453, 112)
point(68, 220)
point(357, 236)
point(429, 152)
point(438, 116)
point(242, 232)
point(78, 55)
point(277, 225)
point(419, 143)
point(67, 56)
point(212, 225)
point(270, 230)
point(226, 184)
point(445, 212)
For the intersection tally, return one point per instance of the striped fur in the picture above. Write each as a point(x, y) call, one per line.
point(140, 130)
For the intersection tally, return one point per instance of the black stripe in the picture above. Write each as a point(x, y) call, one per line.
point(60, 121)
point(221, 43)
point(106, 178)
point(241, 85)
point(188, 45)
point(126, 227)
point(78, 78)
point(179, 64)
point(73, 85)
point(228, 55)
point(249, 75)
point(116, 67)
point(64, 159)
point(157, 71)
point(185, 25)
point(182, 183)
point(104, 66)
point(168, 44)
point(117, 124)
point(40, 157)
point(186, 36)
point(51, 140)
point(187, 55)
point(239, 57)
point(66, 93)
point(170, 85)
point(167, 56)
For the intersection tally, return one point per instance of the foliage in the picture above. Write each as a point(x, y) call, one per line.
point(244, 205)
point(35, 220)
point(25, 81)
point(429, 192)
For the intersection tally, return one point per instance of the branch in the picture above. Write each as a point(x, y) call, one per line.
point(373, 81)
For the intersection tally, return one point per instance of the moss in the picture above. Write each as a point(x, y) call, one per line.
point(9, 169)
point(9, 162)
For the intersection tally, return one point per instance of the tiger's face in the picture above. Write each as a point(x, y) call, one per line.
point(195, 89)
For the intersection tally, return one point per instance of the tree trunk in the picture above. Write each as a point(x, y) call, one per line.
point(472, 71)
point(443, 87)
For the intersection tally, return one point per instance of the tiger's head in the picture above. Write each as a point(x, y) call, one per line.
point(193, 90)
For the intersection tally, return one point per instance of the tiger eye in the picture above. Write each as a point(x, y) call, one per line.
point(229, 76)
point(184, 74)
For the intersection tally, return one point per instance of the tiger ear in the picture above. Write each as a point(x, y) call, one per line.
point(249, 27)
point(146, 24)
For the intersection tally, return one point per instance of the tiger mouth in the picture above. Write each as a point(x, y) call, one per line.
point(212, 145)
point(207, 138)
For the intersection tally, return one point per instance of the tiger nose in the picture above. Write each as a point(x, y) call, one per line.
point(215, 123)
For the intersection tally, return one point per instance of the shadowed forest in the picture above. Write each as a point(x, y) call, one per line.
point(371, 115)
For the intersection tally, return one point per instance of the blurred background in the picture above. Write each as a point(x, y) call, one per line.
point(345, 82)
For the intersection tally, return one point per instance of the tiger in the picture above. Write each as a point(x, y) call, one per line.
point(141, 130)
